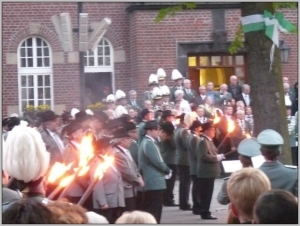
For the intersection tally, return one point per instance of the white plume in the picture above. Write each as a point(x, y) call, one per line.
point(165, 90)
point(110, 98)
point(94, 218)
point(23, 123)
point(89, 112)
point(74, 111)
point(176, 75)
point(24, 155)
point(156, 92)
point(120, 94)
point(189, 118)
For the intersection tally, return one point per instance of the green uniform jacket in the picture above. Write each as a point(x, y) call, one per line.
point(281, 177)
point(168, 151)
point(134, 149)
point(152, 166)
point(181, 135)
point(192, 141)
point(141, 132)
point(207, 163)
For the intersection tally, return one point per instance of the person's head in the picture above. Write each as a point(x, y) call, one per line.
point(132, 94)
point(209, 130)
point(196, 127)
point(200, 111)
point(68, 213)
point(178, 82)
point(177, 104)
point(121, 97)
point(74, 131)
point(209, 100)
point(27, 211)
point(151, 128)
point(131, 112)
point(248, 148)
point(147, 104)
point(228, 110)
point(271, 142)
point(94, 218)
point(187, 83)
point(240, 104)
point(110, 113)
point(288, 110)
point(168, 116)
point(285, 80)
point(136, 217)
point(240, 114)
point(248, 110)
point(50, 120)
point(202, 90)
point(84, 119)
point(122, 138)
point(286, 87)
point(246, 89)
point(166, 130)
point(178, 94)
point(233, 102)
point(223, 88)
point(145, 114)
point(209, 86)
point(12, 122)
point(98, 120)
point(244, 187)
point(233, 80)
point(276, 207)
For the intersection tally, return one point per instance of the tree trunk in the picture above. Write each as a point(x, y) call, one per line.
point(266, 86)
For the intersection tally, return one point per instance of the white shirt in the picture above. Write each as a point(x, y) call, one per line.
point(185, 106)
point(246, 98)
point(203, 96)
point(120, 110)
point(57, 140)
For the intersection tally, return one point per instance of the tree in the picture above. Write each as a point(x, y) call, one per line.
point(266, 86)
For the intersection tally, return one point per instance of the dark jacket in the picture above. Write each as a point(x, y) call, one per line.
point(168, 151)
point(181, 135)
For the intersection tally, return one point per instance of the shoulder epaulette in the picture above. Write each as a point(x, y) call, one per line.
point(291, 167)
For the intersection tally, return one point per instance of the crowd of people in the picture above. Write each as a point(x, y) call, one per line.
point(173, 134)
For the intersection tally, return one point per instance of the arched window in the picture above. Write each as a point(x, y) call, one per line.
point(100, 60)
point(35, 73)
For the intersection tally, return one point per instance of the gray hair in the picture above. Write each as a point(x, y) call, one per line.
point(245, 86)
point(178, 92)
point(223, 85)
point(186, 80)
point(240, 112)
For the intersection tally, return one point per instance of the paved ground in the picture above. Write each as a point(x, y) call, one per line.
point(172, 215)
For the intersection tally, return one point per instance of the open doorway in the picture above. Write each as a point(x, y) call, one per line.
point(98, 85)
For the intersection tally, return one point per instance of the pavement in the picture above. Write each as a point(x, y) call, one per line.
point(172, 215)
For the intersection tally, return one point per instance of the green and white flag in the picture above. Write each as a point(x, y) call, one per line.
point(271, 24)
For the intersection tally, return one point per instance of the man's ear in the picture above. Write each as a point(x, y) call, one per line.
point(234, 210)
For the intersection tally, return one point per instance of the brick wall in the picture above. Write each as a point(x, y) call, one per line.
point(148, 46)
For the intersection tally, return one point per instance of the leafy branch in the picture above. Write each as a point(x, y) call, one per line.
point(238, 41)
point(172, 10)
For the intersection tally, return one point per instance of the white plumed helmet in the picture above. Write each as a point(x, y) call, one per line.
point(110, 98)
point(176, 75)
point(25, 156)
point(156, 93)
point(94, 218)
point(161, 74)
point(89, 112)
point(74, 111)
point(189, 118)
point(153, 79)
point(120, 94)
point(165, 91)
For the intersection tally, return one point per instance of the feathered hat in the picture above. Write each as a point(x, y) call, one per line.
point(24, 155)
point(110, 98)
point(189, 118)
point(153, 80)
point(120, 95)
point(89, 112)
point(74, 111)
point(165, 90)
point(161, 74)
point(176, 75)
point(156, 93)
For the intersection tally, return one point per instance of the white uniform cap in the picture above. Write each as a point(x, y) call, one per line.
point(89, 112)
point(25, 156)
point(110, 98)
point(156, 93)
point(165, 90)
point(161, 74)
point(74, 111)
point(176, 75)
point(153, 79)
point(120, 94)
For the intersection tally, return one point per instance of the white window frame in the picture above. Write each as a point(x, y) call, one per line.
point(35, 71)
point(95, 69)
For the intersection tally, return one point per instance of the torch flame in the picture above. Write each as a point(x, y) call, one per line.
point(99, 172)
point(248, 135)
point(57, 170)
point(83, 171)
point(216, 119)
point(108, 161)
point(86, 150)
point(231, 126)
point(67, 180)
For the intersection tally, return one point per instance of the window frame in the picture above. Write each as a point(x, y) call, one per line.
point(34, 71)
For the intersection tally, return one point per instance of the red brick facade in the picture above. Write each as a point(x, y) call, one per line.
point(147, 45)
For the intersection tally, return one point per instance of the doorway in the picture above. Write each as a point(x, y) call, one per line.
point(99, 84)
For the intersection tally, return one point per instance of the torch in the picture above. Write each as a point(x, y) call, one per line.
point(63, 183)
point(101, 168)
point(230, 128)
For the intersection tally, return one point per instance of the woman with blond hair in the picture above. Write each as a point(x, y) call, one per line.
point(244, 187)
point(136, 217)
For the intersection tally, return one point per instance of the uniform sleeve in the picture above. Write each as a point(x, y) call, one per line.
point(154, 157)
point(204, 154)
point(184, 134)
point(222, 197)
point(98, 190)
point(125, 170)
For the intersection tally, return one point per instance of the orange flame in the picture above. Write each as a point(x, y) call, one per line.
point(57, 170)
point(216, 119)
point(83, 171)
point(248, 135)
point(108, 161)
point(231, 126)
point(99, 172)
point(67, 180)
point(86, 150)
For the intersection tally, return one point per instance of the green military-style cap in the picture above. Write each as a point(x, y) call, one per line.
point(270, 137)
point(249, 147)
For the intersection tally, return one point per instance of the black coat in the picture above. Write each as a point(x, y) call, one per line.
point(238, 90)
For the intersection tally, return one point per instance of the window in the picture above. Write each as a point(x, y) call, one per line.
point(35, 73)
point(99, 60)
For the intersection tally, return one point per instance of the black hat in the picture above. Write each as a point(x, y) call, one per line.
point(151, 125)
point(66, 116)
point(5, 121)
point(195, 125)
point(167, 127)
point(100, 116)
point(167, 113)
point(48, 116)
point(120, 133)
point(72, 127)
point(130, 126)
point(115, 124)
point(207, 125)
point(144, 112)
point(81, 116)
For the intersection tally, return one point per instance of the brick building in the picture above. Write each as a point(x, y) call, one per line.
point(36, 69)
